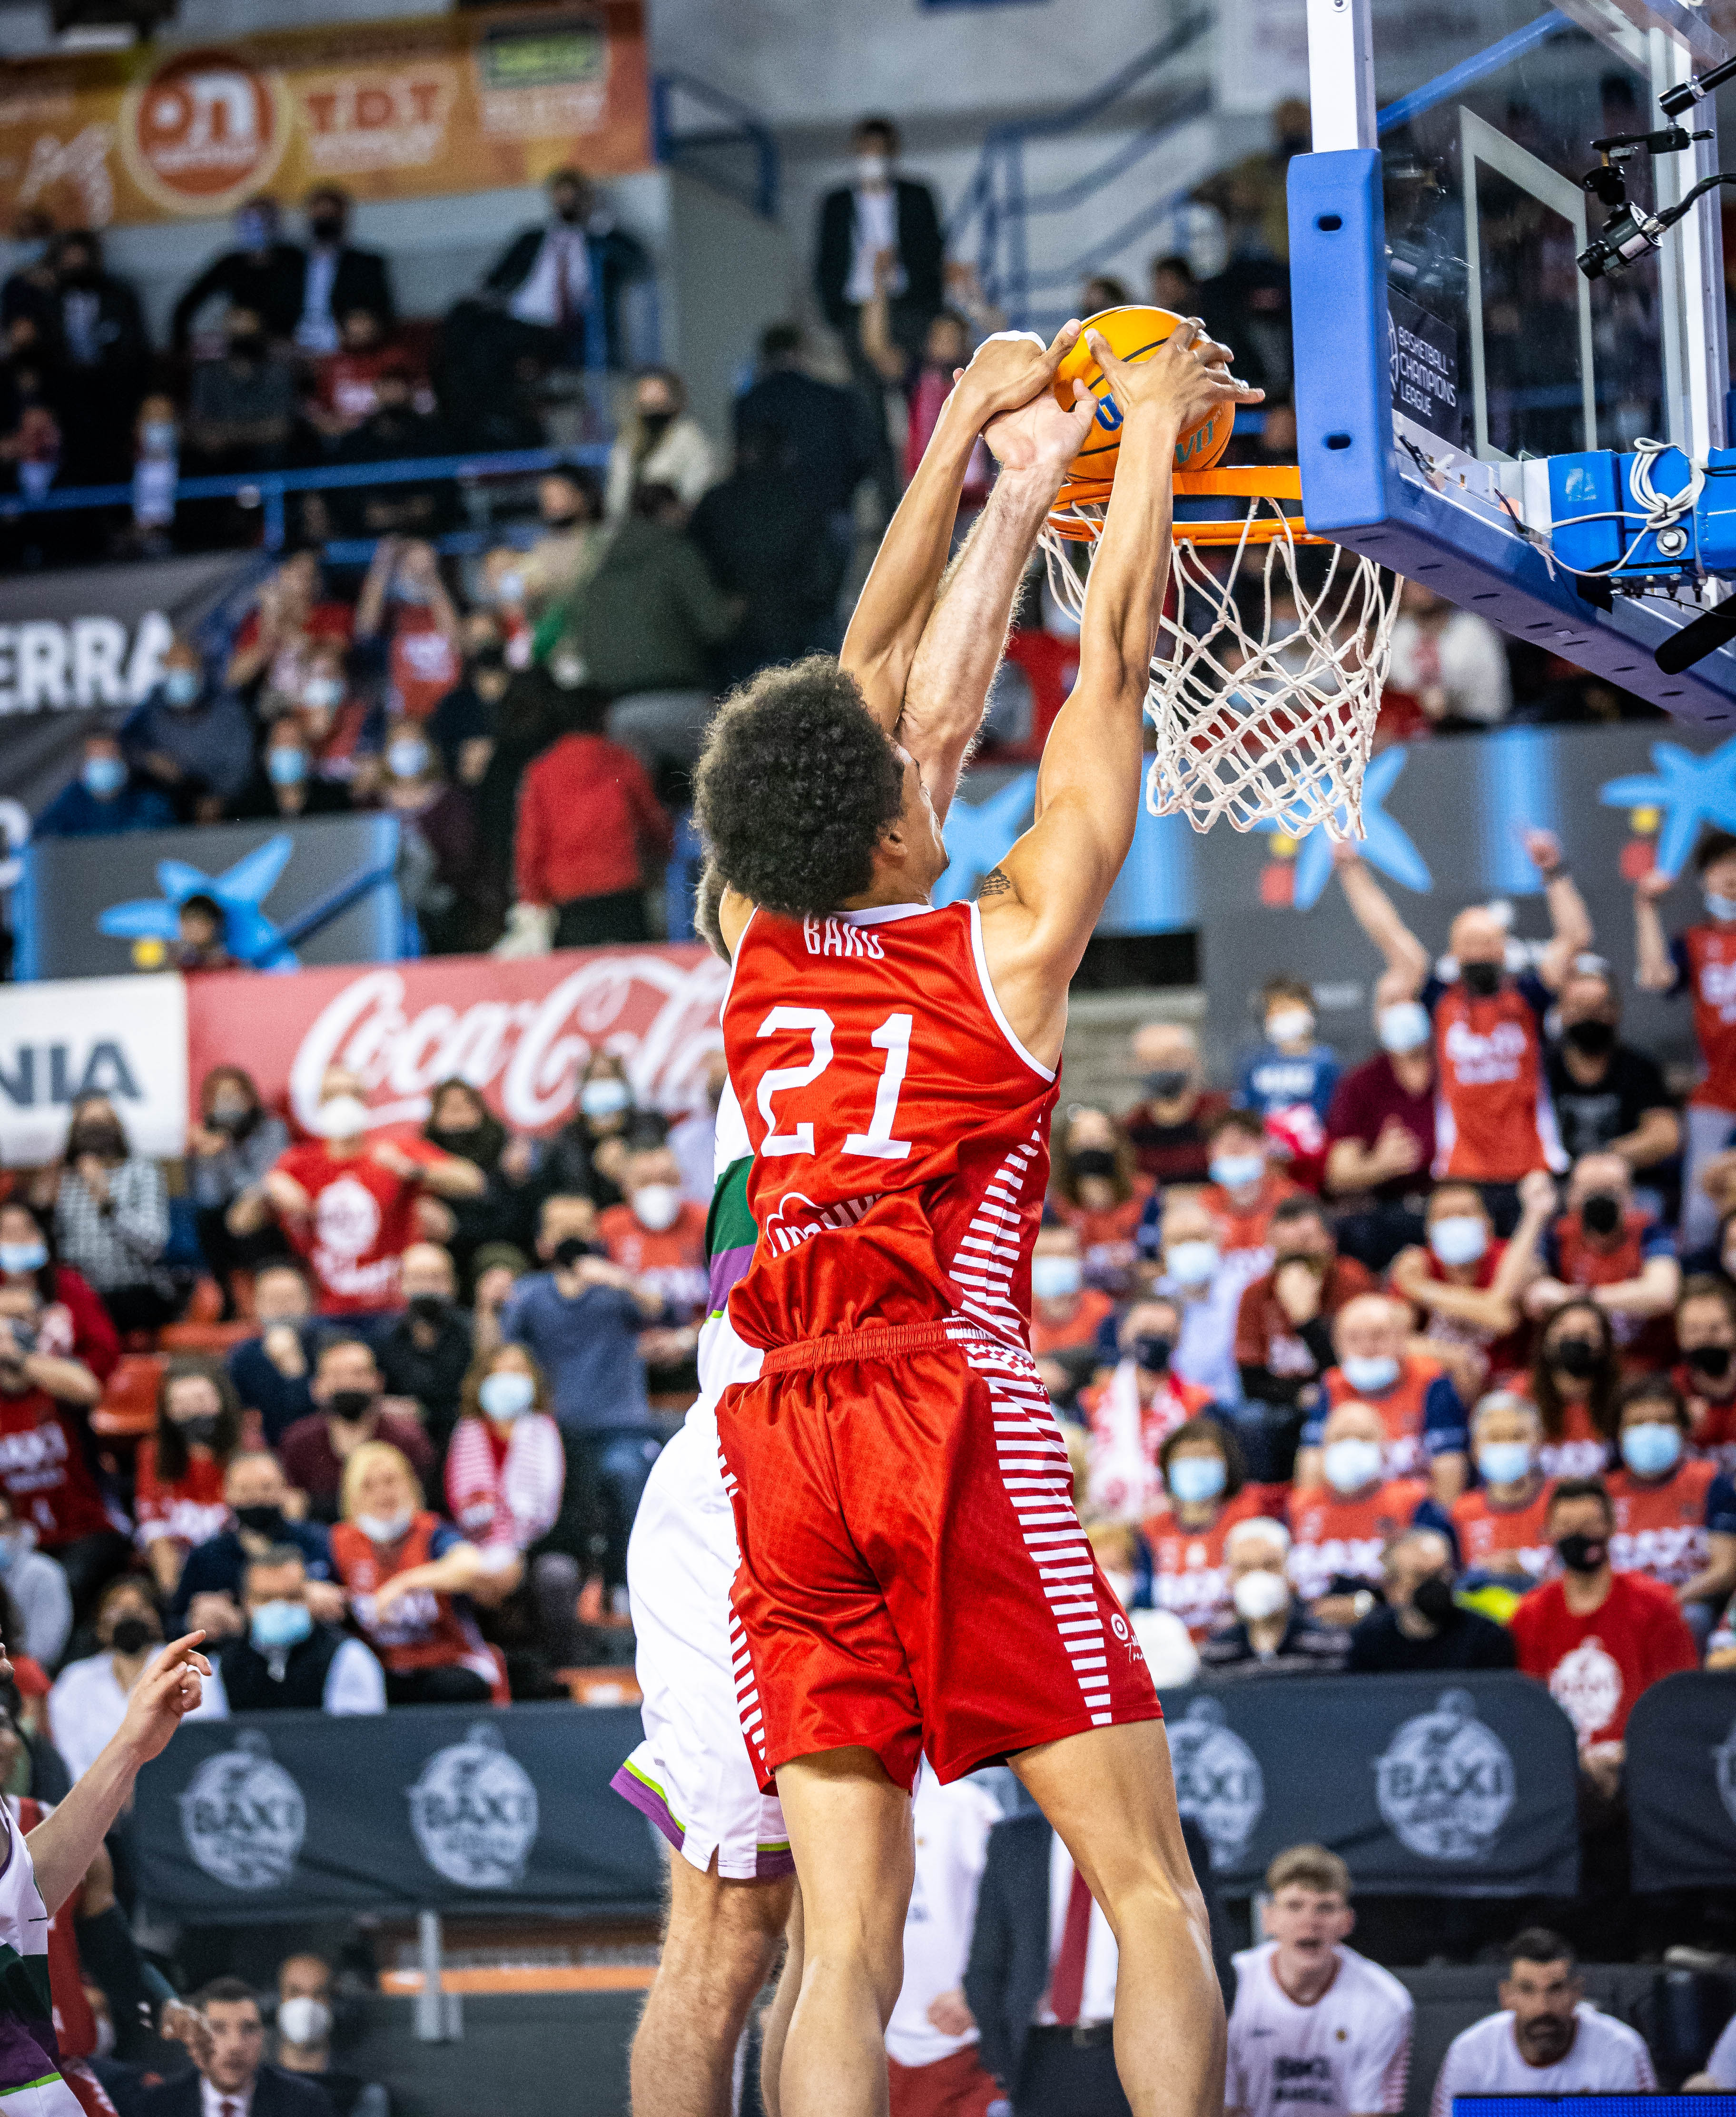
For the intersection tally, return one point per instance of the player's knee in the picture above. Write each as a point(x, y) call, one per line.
point(722, 1935)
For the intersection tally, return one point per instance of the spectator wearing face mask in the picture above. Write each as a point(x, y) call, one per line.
point(1706, 1372)
point(1283, 1331)
point(262, 274)
point(1130, 1415)
point(1171, 1655)
point(1606, 1243)
point(1269, 1634)
point(1380, 1135)
point(189, 739)
point(230, 1150)
point(71, 1320)
point(1289, 1066)
point(1207, 1289)
point(1246, 1189)
point(305, 2020)
point(1596, 1637)
point(660, 443)
point(1675, 1514)
point(441, 870)
point(1205, 1479)
point(241, 408)
point(1422, 1628)
point(273, 643)
point(1701, 962)
point(1495, 1124)
point(1066, 1314)
point(347, 1203)
point(1419, 1407)
point(288, 781)
point(255, 1493)
point(1502, 1524)
point(180, 1469)
point(462, 727)
point(88, 1702)
point(1170, 1126)
point(1575, 1375)
point(425, 1355)
point(1609, 1098)
point(1341, 1529)
point(286, 1659)
point(348, 1414)
point(270, 1371)
point(461, 1122)
point(111, 1215)
point(1097, 1190)
point(587, 1156)
point(36, 1588)
point(405, 601)
point(1463, 1283)
point(103, 800)
point(47, 1459)
point(658, 1235)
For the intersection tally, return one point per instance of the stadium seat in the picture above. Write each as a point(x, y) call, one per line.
point(129, 1404)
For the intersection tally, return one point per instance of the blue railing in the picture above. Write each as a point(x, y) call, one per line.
point(704, 151)
point(267, 490)
point(1000, 202)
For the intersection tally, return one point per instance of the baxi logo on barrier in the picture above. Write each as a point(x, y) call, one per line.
point(474, 1812)
point(1445, 1783)
point(1218, 1780)
point(243, 1818)
point(1724, 1772)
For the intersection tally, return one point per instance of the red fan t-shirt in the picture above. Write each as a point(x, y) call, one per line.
point(362, 1219)
point(669, 1262)
point(45, 1474)
point(1597, 1664)
point(1505, 1541)
point(425, 663)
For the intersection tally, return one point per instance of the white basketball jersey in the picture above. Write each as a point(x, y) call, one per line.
point(1346, 2056)
point(952, 1824)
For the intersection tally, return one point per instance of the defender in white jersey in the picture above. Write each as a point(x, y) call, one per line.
point(931, 2038)
point(1546, 2040)
point(1316, 2030)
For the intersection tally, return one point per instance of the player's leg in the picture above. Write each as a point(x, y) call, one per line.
point(774, 2024)
point(850, 1830)
point(719, 1947)
point(1111, 1796)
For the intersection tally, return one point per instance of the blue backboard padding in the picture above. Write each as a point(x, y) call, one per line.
point(1338, 300)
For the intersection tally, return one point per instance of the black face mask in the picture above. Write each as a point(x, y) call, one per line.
point(1433, 1600)
point(232, 1121)
point(1601, 1213)
point(325, 227)
point(248, 348)
point(200, 1433)
point(1713, 1361)
point(261, 1521)
point(488, 658)
point(568, 1251)
point(104, 1140)
point(1481, 980)
point(350, 1404)
point(430, 1307)
point(1094, 1161)
point(1582, 1554)
point(654, 425)
point(1168, 1086)
point(1576, 1358)
point(131, 1635)
point(1152, 1350)
point(1591, 1040)
point(569, 521)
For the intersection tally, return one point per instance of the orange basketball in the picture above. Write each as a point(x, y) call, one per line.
point(1133, 334)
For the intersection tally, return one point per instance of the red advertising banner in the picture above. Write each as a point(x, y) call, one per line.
point(518, 1030)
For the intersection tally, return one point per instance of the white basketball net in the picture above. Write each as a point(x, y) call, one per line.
point(1264, 709)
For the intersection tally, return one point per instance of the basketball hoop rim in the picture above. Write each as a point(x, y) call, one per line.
point(1273, 481)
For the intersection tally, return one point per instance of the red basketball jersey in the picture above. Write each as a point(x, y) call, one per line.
point(1660, 1528)
point(900, 1131)
point(1506, 1540)
point(1711, 965)
point(1335, 1537)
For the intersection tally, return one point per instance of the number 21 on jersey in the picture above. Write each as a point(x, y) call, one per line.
point(877, 1143)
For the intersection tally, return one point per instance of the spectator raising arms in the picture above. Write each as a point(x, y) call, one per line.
point(181, 1469)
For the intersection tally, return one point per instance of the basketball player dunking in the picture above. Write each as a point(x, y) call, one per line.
point(913, 1576)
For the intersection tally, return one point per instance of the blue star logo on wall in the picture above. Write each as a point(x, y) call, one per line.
point(1385, 844)
point(978, 836)
point(240, 891)
point(1691, 790)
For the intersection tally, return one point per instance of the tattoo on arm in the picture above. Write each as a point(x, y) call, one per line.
point(996, 883)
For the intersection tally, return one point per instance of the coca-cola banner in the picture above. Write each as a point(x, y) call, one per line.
point(518, 1030)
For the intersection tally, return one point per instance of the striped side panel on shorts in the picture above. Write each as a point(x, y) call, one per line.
point(1038, 1479)
point(748, 1707)
point(988, 1252)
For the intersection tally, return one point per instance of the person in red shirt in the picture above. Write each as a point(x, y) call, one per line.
point(348, 1204)
point(1066, 1314)
point(1503, 1526)
point(1206, 1480)
point(1605, 1244)
point(1463, 1283)
point(1675, 1514)
point(1705, 1373)
point(1129, 1416)
point(1576, 1373)
point(1596, 1637)
point(1494, 1124)
point(73, 1320)
point(1246, 1189)
point(1340, 1531)
point(344, 382)
point(404, 599)
point(1170, 1127)
point(1701, 962)
point(1283, 1323)
point(588, 819)
point(658, 1235)
point(1097, 1189)
point(1380, 1135)
point(346, 1389)
point(178, 1472)
point(1421, 1411)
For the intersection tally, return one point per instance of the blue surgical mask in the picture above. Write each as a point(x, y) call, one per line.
point(1720, 908)
point(408, 757)
point(1191, 1263)
point(1404, 1026)
point(1504, 1462)
point(279, 1625)
point(1350, 1465)
point(506, 1394)
point(604, 1098)
point(321, 693)
point(286, 768)
point(1194, 1479)
point(181, 687)
point(17, 1257)
point(103, 777)
point(1369, 1373)
point(1055, 1278)
point(1458, 1238)
point(1650, 1449)
point(1235, 1172)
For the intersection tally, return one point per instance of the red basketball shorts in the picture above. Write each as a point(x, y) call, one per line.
point(913, 1574)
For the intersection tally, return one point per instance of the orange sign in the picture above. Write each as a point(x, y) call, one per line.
point(448, 104)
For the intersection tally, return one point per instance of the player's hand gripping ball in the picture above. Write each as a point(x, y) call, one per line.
point(1133, 334)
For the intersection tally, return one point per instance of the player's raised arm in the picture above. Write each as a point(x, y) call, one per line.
point(1040, 904)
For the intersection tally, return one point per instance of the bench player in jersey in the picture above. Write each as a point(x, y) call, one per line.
point(913, 1577)
point(39, 1871)
point(925, 666)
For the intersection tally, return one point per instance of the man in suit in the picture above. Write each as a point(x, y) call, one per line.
point(91, 330)
point(261, 274)
point(561, 282)
point(231, 2081)
point(1040, 1980)
point(879, 211)
point(336, 277)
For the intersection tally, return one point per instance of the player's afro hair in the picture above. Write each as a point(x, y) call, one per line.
point(796, 787)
